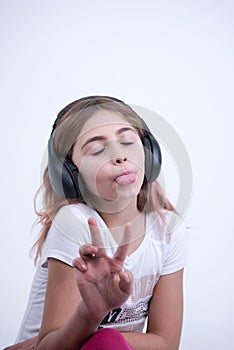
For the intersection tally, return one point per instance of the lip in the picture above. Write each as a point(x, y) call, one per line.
point(122, 174)
point(126, 178)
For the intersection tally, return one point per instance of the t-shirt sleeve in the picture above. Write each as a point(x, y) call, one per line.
point(59, 247)
point(67, 233)
point(176, 252)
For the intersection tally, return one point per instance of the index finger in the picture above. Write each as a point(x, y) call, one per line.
point(124, 244)
point(96, 237)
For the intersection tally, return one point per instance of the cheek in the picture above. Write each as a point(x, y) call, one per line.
point(93, 173)
point(137, 157)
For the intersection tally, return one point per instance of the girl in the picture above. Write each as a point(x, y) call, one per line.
point(108, 258)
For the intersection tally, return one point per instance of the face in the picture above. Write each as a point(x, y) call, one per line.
point(110, 157)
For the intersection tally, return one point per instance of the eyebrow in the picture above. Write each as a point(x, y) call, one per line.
point(102, 138)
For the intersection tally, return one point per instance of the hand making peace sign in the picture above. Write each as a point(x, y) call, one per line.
point(102, 283)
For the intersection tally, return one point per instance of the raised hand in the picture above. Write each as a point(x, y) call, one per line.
point(102, 283)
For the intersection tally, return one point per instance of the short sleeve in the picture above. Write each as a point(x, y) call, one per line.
point(58, 246)
point(67, 233)
point(176, 251)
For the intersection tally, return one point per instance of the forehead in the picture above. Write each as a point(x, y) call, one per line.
point(103, 120)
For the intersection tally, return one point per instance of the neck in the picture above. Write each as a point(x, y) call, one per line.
point(116, 208)
point(118, 218)
point(116, 223)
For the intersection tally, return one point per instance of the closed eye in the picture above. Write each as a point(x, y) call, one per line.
point(126, 143)
point(99, 151)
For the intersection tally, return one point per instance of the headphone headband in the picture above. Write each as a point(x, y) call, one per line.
point(83, 99)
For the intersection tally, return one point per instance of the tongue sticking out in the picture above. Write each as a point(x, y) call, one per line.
point(126, 179)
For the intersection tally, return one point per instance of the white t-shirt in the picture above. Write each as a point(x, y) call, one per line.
point(162, 251)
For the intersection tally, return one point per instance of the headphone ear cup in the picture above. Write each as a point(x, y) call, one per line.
point(153, 156)
point(63, 175)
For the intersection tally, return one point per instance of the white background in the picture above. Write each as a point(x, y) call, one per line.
point(174, 57)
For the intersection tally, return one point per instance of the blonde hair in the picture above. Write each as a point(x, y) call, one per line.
point(68, 127)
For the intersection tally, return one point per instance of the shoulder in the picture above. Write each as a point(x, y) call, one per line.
point(69, 230)
point(71, 220)
point(164, 225)
point(176, 243)
point(169, 230)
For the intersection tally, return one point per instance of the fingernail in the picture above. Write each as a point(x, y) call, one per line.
point(83, 267)
point(93, 249)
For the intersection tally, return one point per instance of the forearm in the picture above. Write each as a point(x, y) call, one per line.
point(148, 341)
point(70, 336)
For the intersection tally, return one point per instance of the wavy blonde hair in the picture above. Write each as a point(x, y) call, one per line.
point(151, 196)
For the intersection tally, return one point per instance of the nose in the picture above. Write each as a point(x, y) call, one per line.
point(119, 160)
point(116, 152)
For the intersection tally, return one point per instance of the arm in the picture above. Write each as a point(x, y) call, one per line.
point(71, 315)
point(165, 316)
point(63, 325)
point(28, 344)
point(62, 299)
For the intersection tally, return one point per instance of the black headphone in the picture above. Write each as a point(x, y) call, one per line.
point(64, 175)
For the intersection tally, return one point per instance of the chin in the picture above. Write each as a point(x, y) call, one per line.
point(128, 193)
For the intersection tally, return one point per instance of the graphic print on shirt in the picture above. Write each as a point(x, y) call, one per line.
point(135, 310)
point(111, 316)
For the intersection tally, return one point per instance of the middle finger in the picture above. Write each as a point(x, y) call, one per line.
point(123, 247)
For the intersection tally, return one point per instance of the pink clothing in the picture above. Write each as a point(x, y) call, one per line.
point(107, 339)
